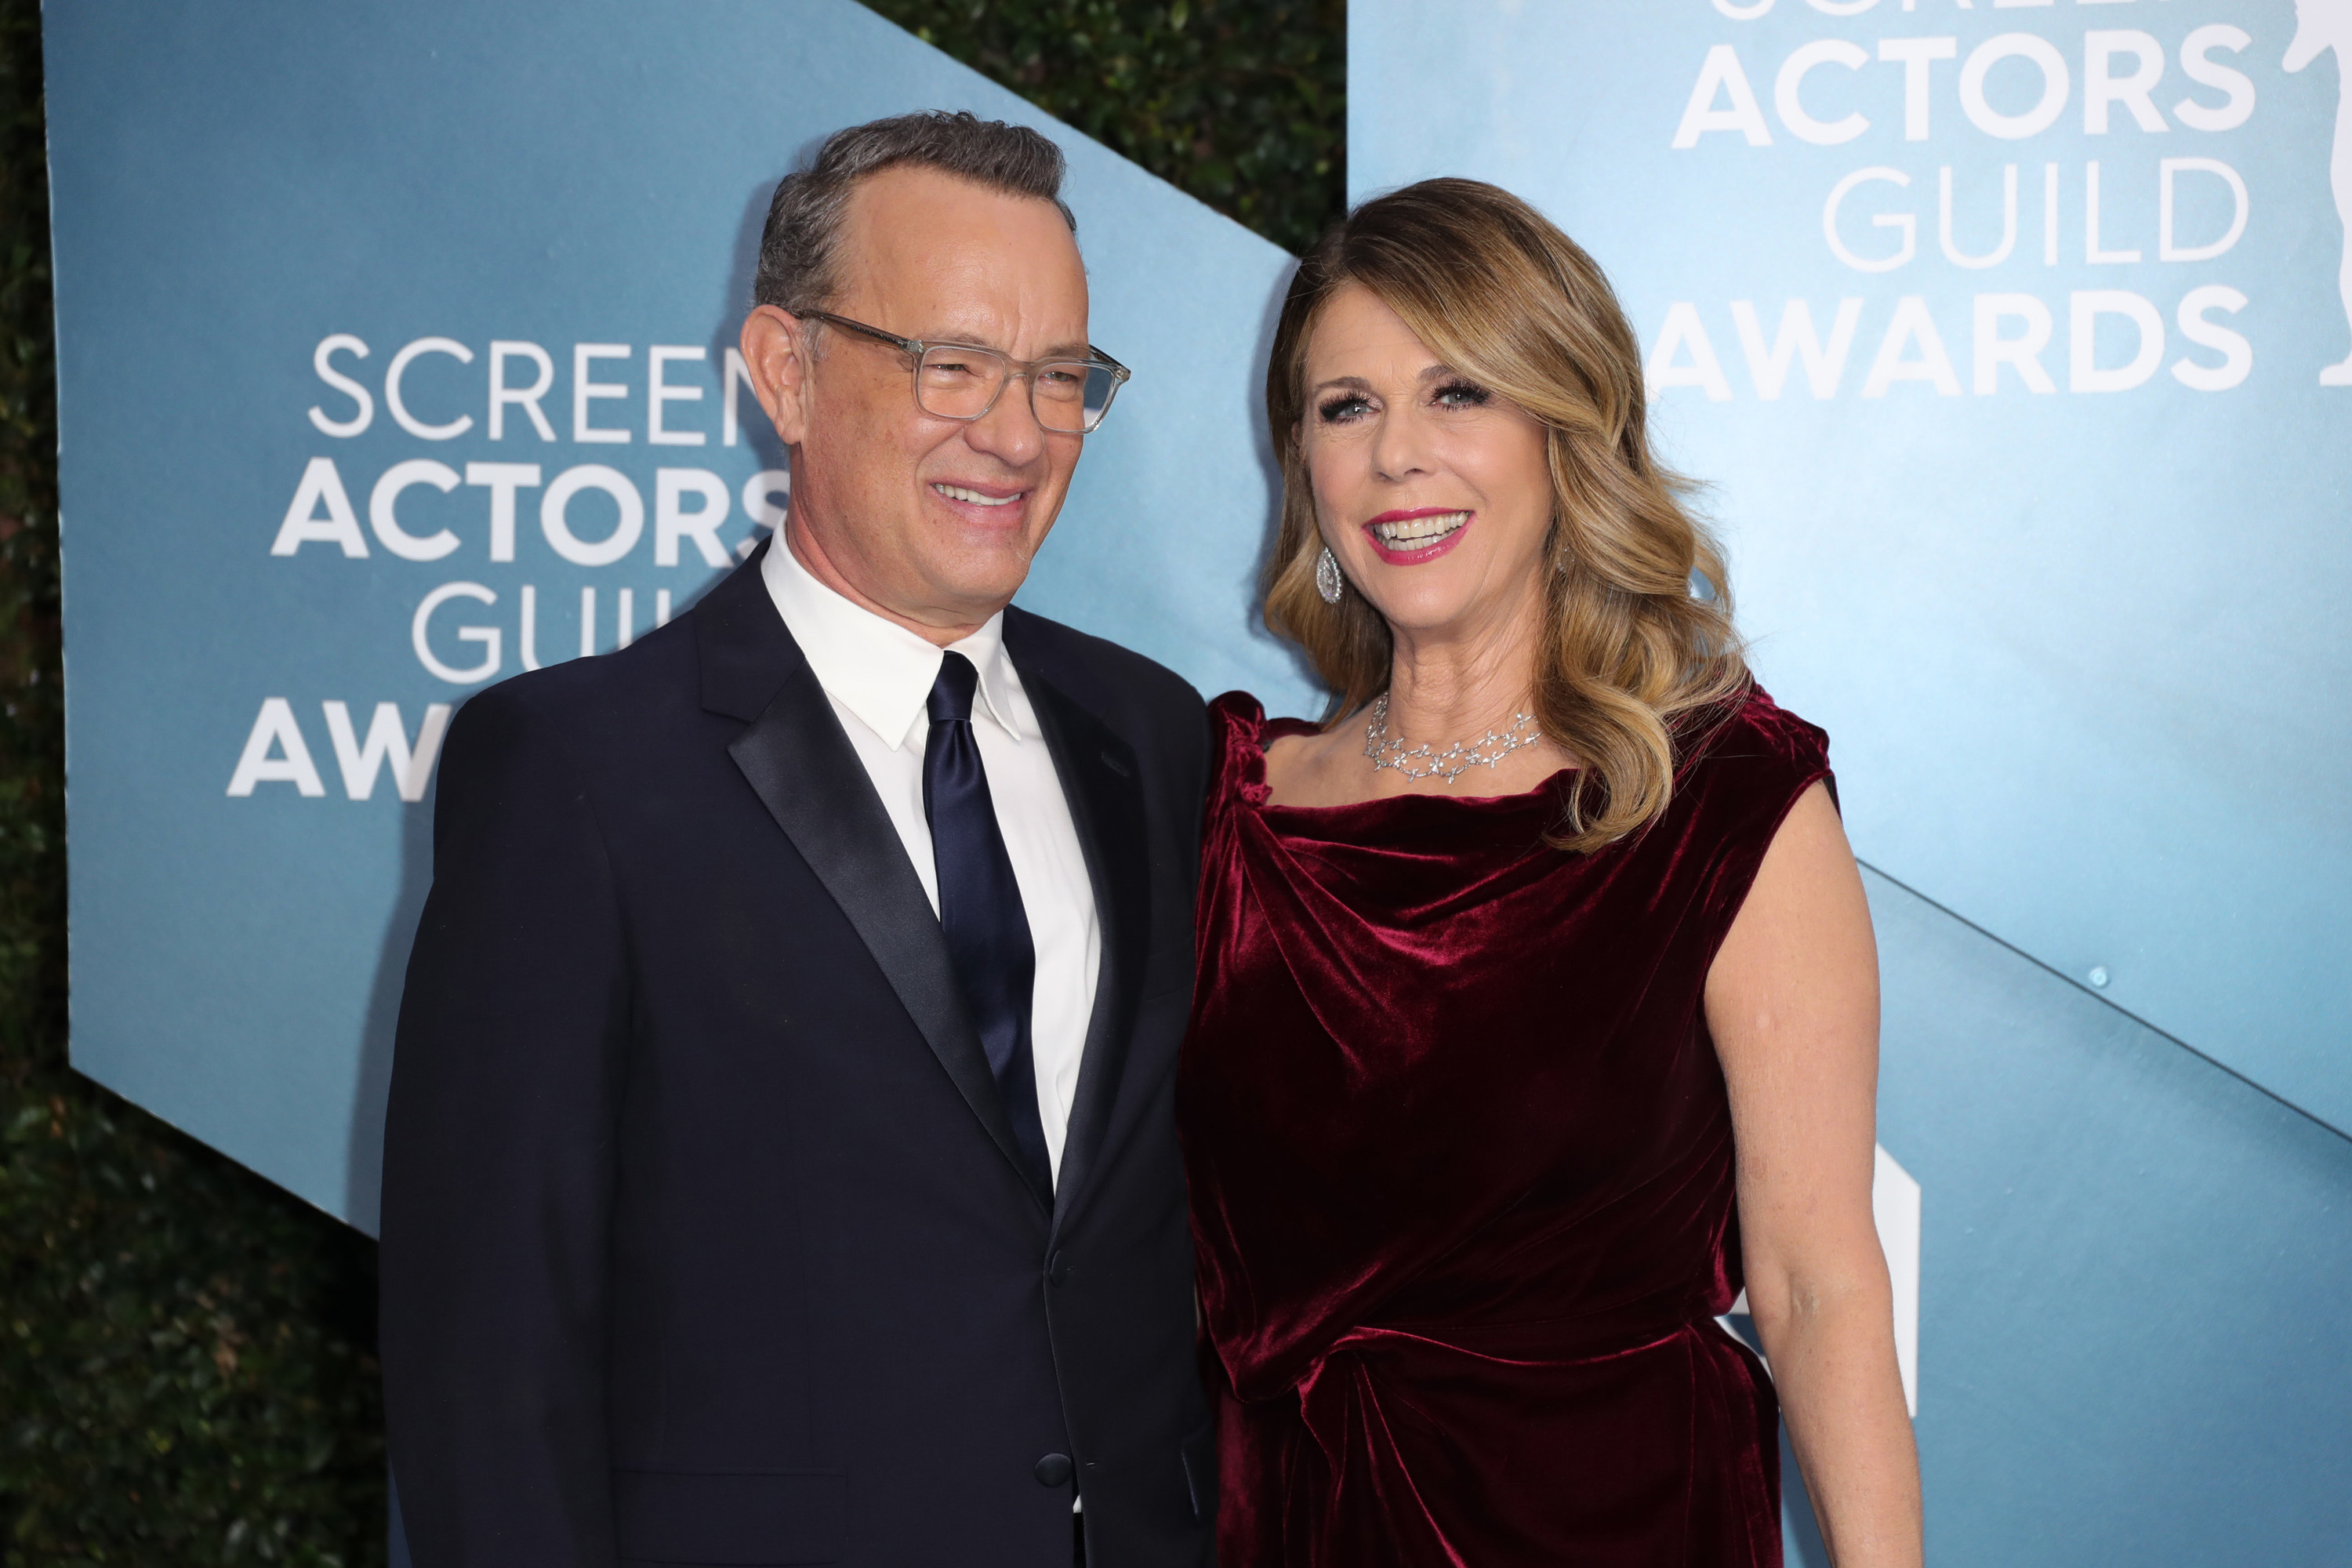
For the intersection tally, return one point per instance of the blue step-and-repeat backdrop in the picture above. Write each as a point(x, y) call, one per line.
point(2014, 339)
point(395, 356)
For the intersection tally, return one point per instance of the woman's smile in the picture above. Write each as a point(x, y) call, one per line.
point(1409, 537)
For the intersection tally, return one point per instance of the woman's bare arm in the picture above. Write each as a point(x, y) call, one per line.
point(1792, 1002)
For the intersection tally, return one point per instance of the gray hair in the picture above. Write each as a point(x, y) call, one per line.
point(803, 230)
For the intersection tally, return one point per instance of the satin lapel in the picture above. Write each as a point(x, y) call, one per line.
point(804, 770)
point(1100, 780)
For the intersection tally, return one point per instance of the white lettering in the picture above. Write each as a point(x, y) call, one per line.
point(523, 397)
point(420, 625)
point(387, 741)
point(2102, 88)
point(2085, 308)
point(673, 522)
point(399, 477)
point(736, 375)
point(760, 492)
point(2237, 105)
point(1788, 88)
point(558, 528)
point(502, 480)
point(303, 525)
point(1721, 76)
point(1911, 324)
point(2091, 251)
point(583, 390)
point(1683, 332)
point(2055, 84)
point(1905, 222)
point(1824, 367)
point(399, 409)
point(1999, 253)
point(2237, 353)
point(2165, 247)
point(2022, 354)
point(341, 342)
point(658, 391)
point(1914, 55)
point(275, 727)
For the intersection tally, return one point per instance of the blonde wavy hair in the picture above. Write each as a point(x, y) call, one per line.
point(1638, 653)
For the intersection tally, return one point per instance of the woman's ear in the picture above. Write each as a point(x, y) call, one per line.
point(775, 348)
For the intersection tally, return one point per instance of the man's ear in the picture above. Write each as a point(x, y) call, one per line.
point(775, 351)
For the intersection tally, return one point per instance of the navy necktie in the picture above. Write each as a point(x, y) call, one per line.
point(980, 907)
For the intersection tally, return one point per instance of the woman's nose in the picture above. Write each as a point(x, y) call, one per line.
point(1400, 447)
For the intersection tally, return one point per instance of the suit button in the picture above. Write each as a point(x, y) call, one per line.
point(1054, 1470)
point(1058, 1272)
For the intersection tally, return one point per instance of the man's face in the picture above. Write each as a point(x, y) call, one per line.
point(931, 521)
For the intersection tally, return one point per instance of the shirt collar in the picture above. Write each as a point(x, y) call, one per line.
point(878, 670)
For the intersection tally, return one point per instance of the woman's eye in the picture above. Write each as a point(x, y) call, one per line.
point(1340, 410)
point(1461, 395)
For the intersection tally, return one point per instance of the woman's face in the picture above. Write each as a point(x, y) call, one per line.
point(1433, 492)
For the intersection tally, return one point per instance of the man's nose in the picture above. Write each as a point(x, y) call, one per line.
point(1009, 432)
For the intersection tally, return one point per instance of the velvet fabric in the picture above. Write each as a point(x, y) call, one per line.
point(1461, 1168)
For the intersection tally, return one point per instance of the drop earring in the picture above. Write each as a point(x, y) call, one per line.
point(1327, 580)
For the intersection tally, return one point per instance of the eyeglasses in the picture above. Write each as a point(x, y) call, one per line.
point(964, 381)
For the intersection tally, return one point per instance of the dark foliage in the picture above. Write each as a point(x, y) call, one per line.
point(185, 1367)
point(1239, 102)
point(185, 1374)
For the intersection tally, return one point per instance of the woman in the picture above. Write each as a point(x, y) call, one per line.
point(1538, 1005)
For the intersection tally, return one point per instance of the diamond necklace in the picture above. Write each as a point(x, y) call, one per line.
point(1387, 750)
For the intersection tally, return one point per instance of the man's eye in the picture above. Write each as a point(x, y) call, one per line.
point(948, 370)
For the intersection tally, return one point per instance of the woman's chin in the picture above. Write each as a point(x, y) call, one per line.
point(1440, 599)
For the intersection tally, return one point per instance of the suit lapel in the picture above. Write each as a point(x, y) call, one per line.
point(1101, 782)
point(805, 771)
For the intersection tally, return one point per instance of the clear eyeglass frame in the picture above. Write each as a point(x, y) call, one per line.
point(964, 381)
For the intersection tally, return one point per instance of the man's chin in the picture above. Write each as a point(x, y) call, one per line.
point(973, 597)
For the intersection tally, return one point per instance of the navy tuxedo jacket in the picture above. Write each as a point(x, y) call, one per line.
point(704, 1236)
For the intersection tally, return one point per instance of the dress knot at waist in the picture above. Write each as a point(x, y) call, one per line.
point(1489, 1348)
point(1562, 1341)
point(1391, 1419)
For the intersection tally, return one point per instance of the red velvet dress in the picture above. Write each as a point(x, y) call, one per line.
point(1461, 1171)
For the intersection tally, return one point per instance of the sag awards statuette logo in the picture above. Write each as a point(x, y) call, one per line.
point(2139, 229)
point(2321, 26)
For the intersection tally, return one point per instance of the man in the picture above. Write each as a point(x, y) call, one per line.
point(779, 1165)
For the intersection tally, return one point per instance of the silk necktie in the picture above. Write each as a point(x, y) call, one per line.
point(980, 912)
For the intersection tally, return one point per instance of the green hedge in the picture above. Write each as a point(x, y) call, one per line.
point(186, 1375)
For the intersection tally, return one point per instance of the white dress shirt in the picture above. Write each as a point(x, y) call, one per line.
point(879, 677)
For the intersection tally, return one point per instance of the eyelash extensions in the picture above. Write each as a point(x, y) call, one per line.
point(1470, 395)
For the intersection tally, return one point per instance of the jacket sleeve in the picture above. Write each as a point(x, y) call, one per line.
point(499, 1162)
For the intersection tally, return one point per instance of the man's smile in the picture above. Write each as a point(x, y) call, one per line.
point(972, 497)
